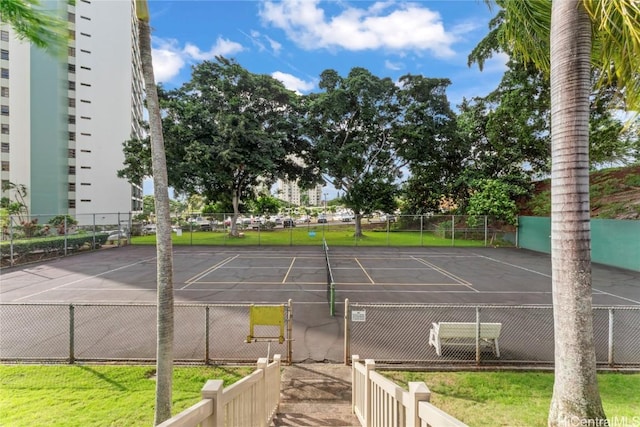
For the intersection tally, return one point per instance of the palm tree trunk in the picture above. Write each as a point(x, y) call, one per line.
point(575, 392)
point(164, 350)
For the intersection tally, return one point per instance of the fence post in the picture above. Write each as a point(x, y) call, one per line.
point(421, 230)
point(369, 366)
point(347, 337)
point(611, 361)
point(262, 391)
point(11, 240)
point(453, 230)
point(486, 223)
point(355, 359)
point(418, 392)
point(65, 235)
point(119, 234)
point(477, 335)
point(206, 335)
point(212, 390)
point(72, 334)
point(290, 331)
point(93, 247)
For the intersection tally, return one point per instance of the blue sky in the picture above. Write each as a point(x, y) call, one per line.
point(295, 40)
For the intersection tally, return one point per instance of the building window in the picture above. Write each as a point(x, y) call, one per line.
point(72, 186)
point(85, 183)
point(72, 102)
point(72, 204)
point(72, 85)
point(4, 54)
point(71, 68)
point(85, 34)
point(72, 170)
point(85, 200)
point(5, 147)
point(72, 120)
point(71, 51)
point(85, 84)
point(85, 134)
point(4, 91)
point(4, 110)
point(85, 51)
point(85, 101)
point(5, 166)
point(71, 17)
point(86, 18)
point(4, 35)
point(72, 153)
point(85, 68)
point(85, 167)
point(72, 136)
point(4, 73)
point(85, 117)
point(85, 151)
point(5, 128)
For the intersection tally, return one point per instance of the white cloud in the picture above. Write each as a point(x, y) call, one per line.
point(395, 66)
point(222, 47)
point(292, 82)
point(384, 25)
point(169, 58)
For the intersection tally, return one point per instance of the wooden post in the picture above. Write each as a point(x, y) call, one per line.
point(370, 366)
point(418, 392)
point(212, 390)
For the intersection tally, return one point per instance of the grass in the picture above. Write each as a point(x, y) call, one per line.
point(97, 395)
point(311, 235)
point(517, 398)
point(92, 395)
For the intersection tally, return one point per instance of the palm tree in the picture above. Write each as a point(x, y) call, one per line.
point(164, 350)
point(31, 22)
point(578, 34)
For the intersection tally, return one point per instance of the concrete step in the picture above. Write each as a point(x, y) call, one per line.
point(315, 414)
point(316, 394)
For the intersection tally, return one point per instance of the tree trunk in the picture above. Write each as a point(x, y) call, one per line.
point(358, 226)
point(164, 350)
point(576, 399)
point(235, 201)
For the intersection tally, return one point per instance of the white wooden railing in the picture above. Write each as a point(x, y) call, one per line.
point(379, 402)
point(252, 401)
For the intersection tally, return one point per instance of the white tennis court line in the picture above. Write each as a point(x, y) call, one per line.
point(447, 274)
point(207, 271)
point(284, 280)
point(365, 272)
point(84, 278)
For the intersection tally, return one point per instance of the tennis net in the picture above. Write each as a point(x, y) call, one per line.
point(331, 287)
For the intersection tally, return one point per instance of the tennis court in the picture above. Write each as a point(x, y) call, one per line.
point(274, 275)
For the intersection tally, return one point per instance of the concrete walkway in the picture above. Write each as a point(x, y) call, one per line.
point(316, 394)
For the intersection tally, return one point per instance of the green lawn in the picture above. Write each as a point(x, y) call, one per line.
point(516, 399)
point(91, 395)
point(304, 235)
point(96, 395)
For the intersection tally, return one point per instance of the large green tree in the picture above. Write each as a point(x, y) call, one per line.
point(164, 270)
point(566, 38)
point(228, 131)
point(366, 130)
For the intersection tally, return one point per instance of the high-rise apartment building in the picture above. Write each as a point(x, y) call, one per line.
point(63, 121)
point(291, 193)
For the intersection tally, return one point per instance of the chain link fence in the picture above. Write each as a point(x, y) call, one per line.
point(127, 332)
point(401, 333)
point(27, 238)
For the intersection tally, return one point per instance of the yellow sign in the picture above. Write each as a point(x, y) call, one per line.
point(266, 315)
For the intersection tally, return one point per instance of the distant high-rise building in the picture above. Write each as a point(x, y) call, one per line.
point(64, 120)
point(291, 193)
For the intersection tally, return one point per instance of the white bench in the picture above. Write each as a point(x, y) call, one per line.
point(464, 334)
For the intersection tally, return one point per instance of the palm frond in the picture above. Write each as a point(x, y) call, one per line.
point(616, 45)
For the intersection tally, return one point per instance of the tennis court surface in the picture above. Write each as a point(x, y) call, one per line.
point(277, 274)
